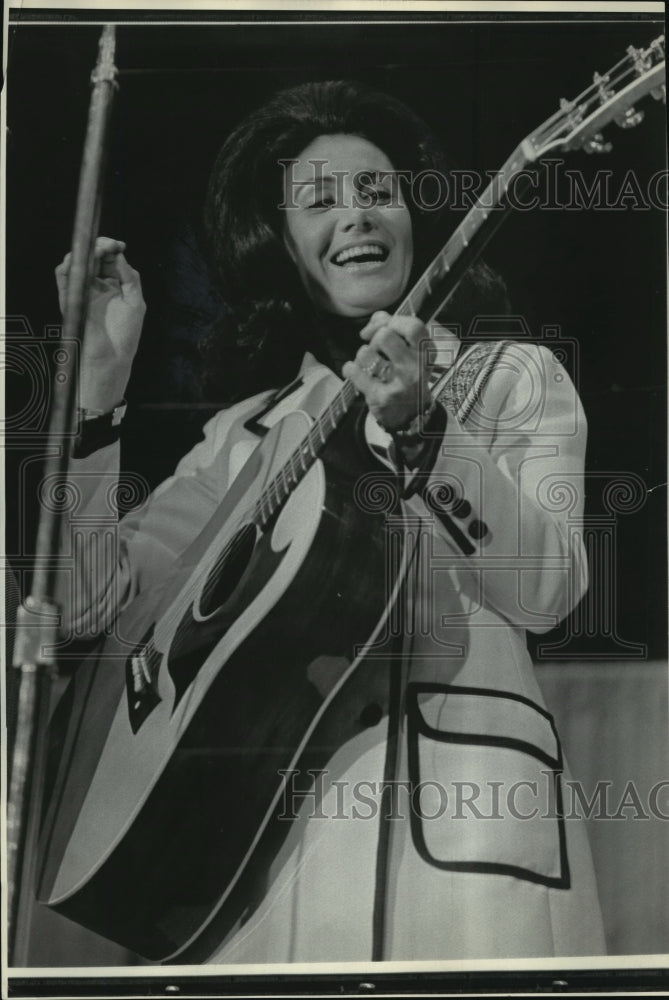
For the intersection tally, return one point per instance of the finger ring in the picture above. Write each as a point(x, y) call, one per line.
point(384, 371)
point(379, 369)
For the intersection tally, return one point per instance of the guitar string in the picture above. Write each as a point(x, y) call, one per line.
point(294, 469)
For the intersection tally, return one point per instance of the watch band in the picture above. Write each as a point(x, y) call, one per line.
point(414, 451)
point(96, 429)
point(414, 433)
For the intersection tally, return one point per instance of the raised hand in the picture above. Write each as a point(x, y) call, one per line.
point(113, 325)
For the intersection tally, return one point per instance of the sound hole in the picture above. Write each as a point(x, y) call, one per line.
point(228, 571)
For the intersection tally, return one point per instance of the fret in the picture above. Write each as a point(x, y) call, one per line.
point(272, 498)
point(331, 417)
point(312, 440)
point(282, 485)
point(267, 504)
point(314, 445)
point(293, 477)
point(261, 505)
point(278, 494)
point(293, 480)
point(439, 268)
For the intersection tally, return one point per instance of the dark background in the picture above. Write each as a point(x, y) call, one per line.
point(599, 275)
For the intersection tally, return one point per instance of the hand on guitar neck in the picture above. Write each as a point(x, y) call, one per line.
point(114, 323)
point(391, 369)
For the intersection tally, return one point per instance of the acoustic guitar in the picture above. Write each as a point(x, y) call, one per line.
point(172, 744)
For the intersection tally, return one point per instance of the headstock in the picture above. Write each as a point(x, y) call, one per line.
point(610, 97)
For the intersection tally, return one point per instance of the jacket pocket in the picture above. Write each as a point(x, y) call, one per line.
point(485, 769)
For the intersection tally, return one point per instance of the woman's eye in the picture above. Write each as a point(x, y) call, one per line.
point(374, 196)
point(327, 201)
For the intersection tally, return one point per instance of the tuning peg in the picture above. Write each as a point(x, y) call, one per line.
point(660, 93)
point(574, 113)
point(596, 144)
point(657, 48)
point(630, 118)
point(604, 93)
point(641, 58)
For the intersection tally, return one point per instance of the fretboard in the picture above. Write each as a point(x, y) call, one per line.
point(438, 282)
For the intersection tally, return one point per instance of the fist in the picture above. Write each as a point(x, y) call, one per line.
point(391, 369)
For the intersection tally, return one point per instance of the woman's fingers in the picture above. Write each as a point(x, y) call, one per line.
point(61, 272)
point(370, 373)
point(409, 328)
point(106, 254)
point(107, 245)
point(375, 322)
point(390, 368)
point(109, 263)
point(131, 285)
point(398, 338)
point(363, 382)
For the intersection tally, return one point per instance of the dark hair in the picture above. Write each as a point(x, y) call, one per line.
point(243, 223)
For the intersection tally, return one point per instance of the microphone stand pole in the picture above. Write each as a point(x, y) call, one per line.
point(38, 617)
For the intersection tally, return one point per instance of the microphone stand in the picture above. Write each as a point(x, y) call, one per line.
point(38, 617)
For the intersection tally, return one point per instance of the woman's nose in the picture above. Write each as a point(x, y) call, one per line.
point(356, 218)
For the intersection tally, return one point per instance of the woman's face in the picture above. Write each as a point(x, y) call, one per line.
point(347, 227)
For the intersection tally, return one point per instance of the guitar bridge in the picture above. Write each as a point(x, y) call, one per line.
point(140, 687)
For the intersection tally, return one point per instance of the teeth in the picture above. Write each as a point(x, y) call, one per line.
point(363, 251)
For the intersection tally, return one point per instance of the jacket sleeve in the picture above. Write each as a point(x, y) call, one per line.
point(106, 561)
point(505, 491)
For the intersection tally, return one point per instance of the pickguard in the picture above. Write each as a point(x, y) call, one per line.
point(195, 637)
point(140, 675)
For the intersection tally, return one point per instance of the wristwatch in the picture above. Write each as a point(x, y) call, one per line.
point(97, 429)
point(414, 433)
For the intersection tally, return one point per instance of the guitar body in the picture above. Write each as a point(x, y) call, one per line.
point(162, 804)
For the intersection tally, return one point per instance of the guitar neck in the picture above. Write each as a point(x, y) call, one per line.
point(291, 474)
point(438, 282)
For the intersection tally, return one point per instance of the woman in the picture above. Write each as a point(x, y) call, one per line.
point(316, 239)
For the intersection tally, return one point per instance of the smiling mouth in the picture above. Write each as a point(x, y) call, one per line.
point(365, 254)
